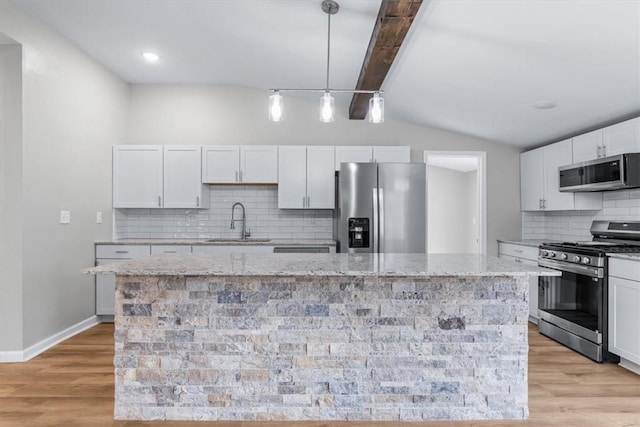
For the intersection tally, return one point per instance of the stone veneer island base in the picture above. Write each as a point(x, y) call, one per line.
point(321, 337)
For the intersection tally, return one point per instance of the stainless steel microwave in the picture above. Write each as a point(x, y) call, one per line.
point(608, 173)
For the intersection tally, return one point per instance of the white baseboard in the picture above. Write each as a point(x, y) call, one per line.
point(44, 345)
point(627, 364)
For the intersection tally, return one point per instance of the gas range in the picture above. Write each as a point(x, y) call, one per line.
point(573, 307)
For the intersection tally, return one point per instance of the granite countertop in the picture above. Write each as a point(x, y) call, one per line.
point(629, 256)
point(405, 265)
point(221, 241)
point(528, 242)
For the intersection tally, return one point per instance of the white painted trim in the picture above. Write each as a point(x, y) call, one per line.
point(44, 345)
point(482, 188)
point(627, 364)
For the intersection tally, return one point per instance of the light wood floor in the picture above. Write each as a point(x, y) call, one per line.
point(72, 385)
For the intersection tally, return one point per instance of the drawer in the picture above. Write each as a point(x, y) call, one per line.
point(122, 251)
point(170, 249)
point(625, 269)
point(229, 249)
point(518, 251)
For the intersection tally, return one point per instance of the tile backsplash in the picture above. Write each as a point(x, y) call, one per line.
point(621, 205)
point(264, 219)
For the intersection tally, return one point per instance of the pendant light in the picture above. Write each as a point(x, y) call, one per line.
point(327, 102)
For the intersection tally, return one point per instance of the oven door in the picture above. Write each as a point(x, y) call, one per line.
point(573, 301)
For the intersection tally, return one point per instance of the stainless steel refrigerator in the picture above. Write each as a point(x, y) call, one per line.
point(381, 207)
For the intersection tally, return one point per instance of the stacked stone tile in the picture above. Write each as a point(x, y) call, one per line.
point(321, 348)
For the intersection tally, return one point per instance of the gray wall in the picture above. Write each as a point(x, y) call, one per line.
point(452, 204)
point(10, 197)
point(73, 110)
point(208, 114)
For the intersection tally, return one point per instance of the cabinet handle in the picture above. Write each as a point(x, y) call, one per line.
point(240, 176)
point(169, 252)
point(122, 252)
point(539, 203)
point(599, 151)
point(518, 251)
point(160, 201)
point(544, 203)
point(198, 201)
point(303, 201)
point(308, 201)
point(604, 150)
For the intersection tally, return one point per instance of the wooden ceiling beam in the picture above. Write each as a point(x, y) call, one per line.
point(392, 25)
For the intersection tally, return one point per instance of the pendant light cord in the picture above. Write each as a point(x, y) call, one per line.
point(328, 47)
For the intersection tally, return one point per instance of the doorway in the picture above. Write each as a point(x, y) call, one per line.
point(456, 202)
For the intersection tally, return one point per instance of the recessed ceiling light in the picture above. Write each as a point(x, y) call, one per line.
point(545, 105)
point(150, 56)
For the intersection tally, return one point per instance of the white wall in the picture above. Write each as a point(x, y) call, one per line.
point(73, 110)
point(10, 197)
point(209, 114)
point(452, 205)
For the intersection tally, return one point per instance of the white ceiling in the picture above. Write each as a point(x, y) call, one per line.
point(470, 66)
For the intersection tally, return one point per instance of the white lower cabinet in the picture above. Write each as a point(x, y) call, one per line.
point(106, 283)
point(527, 255)
point(624, 311)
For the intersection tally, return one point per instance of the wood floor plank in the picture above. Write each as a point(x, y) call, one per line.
point(72, 385)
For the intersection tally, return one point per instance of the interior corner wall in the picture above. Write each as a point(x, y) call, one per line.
point(73, 111)
point(11, 324)
point(214, 114)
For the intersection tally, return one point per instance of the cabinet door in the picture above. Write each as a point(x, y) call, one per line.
point(137, 176)
point(355, 154)
point(588, 146)
point(622, 138)
point(624, 318)
point(292, 177)
point(220, 164)
point(259, 163)
point(533, 280)
point(320, 177)
point(170, 249)
point(391, 154)
point(556, 155)
point(531, 180)
point(182, 176)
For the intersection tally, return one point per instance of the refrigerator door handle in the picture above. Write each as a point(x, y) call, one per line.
point(381, 219)
point(375, 220)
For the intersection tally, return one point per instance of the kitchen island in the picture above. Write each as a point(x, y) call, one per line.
point(321, 337)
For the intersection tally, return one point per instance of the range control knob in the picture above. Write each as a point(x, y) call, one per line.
point(544, 253)
point(564, 256)
point(586, 260)
point(576, 258)
point(552, 254)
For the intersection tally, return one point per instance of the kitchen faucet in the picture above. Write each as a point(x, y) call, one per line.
point(245, 233)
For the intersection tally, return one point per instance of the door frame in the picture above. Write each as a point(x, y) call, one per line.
point(481, 156)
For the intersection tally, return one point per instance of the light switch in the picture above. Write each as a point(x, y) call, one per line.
point(98, 217)
point(65, 217)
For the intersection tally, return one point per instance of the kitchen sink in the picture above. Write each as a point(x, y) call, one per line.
point(238, 240)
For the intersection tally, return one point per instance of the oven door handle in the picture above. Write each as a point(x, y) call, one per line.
point(572, 268)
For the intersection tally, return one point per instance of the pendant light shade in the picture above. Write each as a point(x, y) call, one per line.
point(376, 109)
point(327, 102)
point(276, 107)
point(327, 108)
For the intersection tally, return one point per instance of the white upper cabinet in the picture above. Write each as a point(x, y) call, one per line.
point(220, 164)
point(153, 176)
point(225, 164)
point(532, 180)
point(182, 185)
point(622, 138)
point(306, 177)
point(615, 139)
point(588, 146)
point(137, 176)
point(391, 154)
point(352, 154)
point(366, 154)
point(320, 178)
point(292, 177)
point(259, 164)
point(539, 181)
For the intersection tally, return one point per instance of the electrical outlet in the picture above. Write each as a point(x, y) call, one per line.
point(65, 217)
point(98, 217)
